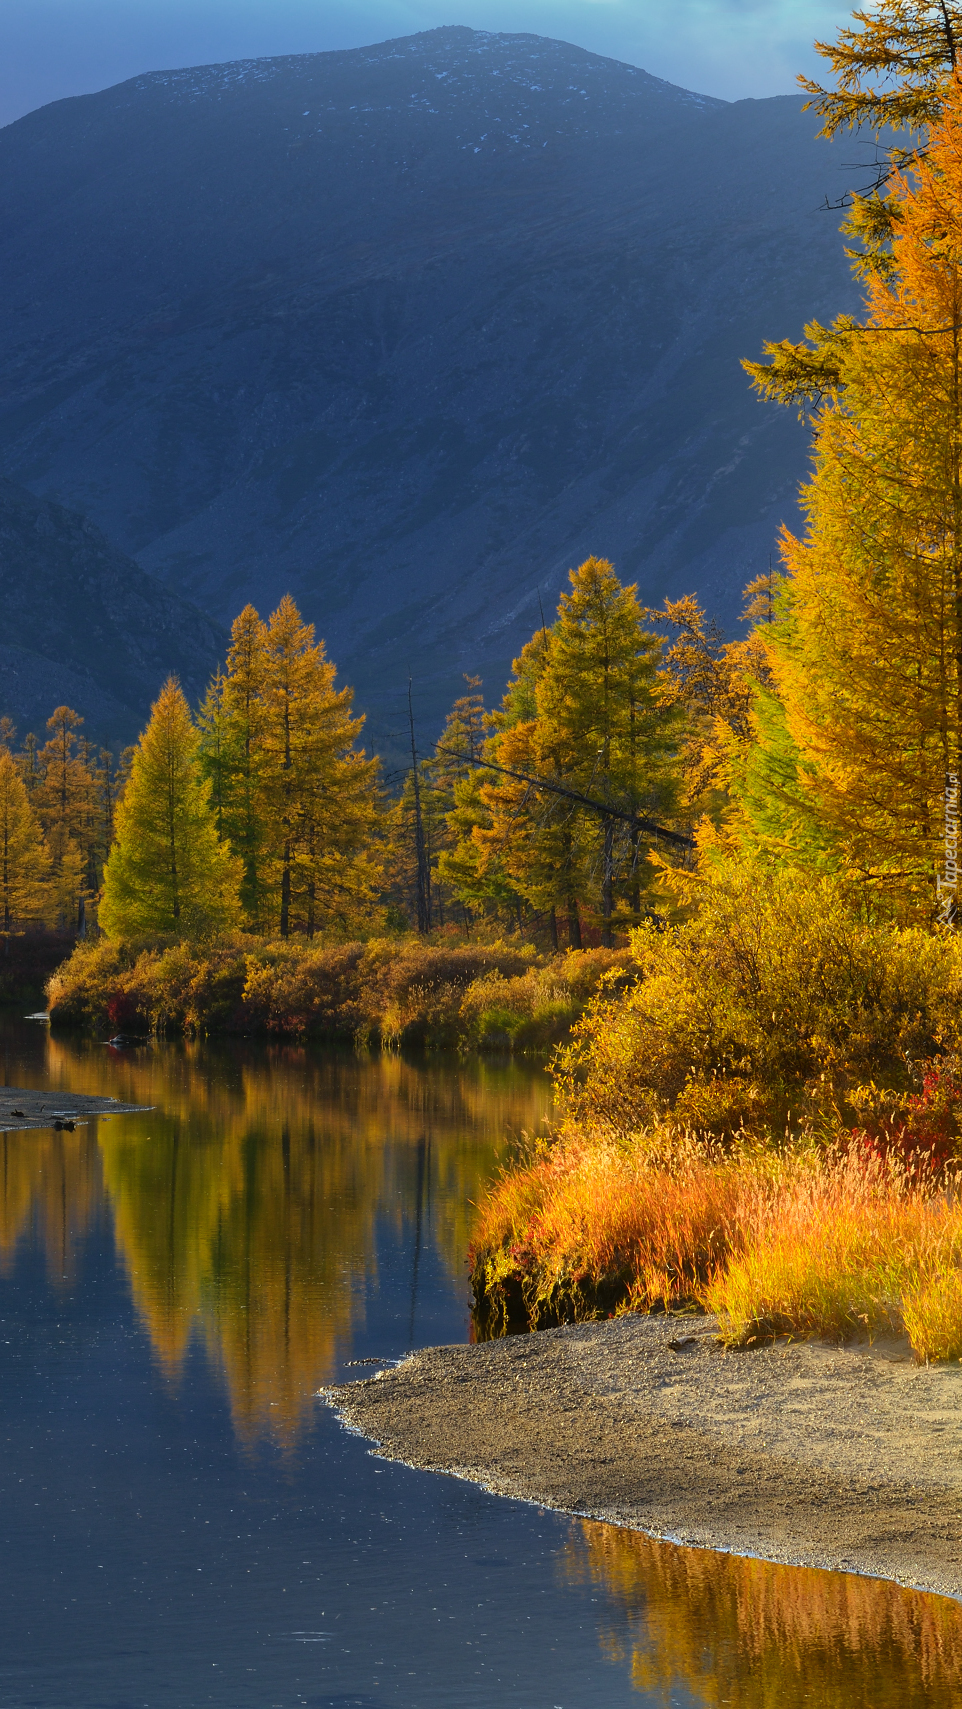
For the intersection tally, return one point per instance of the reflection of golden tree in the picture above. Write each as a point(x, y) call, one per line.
point(760, 1636)
point(54, 1177)
point(246, 1203)
point(256, 1233)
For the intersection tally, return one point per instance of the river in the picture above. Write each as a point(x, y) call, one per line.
point(185, 1524)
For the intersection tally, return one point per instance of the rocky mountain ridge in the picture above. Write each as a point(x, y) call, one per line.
point(409, 331)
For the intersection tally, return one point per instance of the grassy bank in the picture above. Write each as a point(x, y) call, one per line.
point(386, 991)
point(841, 1243)
point(765, 1123)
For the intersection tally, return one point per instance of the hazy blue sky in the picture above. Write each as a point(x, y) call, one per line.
point(732, 48)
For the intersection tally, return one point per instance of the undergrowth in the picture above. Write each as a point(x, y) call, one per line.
point(387, 991)
point(765, 1123)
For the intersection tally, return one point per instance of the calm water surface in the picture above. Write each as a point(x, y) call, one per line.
point(184, 1524)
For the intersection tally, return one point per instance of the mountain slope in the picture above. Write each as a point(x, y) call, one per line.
point(85, 625)
point(409, 330)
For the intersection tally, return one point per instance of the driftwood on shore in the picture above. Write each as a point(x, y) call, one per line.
point(841, 1457)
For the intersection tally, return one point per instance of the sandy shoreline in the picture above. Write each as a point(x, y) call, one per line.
point(847, 1458)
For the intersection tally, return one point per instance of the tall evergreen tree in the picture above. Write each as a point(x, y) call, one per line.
point(168, 871)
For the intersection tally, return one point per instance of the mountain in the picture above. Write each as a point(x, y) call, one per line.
point(85, 625)
point(409, 331)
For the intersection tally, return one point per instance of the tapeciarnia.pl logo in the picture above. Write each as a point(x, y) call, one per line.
point(947, 881)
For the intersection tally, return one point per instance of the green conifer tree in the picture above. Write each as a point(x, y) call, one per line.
point(168, 871)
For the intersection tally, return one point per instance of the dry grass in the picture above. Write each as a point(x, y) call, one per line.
point(585, 1230)
point(809, 1243)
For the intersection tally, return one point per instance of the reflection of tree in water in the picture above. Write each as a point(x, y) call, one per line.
point(53, 1178)
point(759, 1636)
point(246, 1204)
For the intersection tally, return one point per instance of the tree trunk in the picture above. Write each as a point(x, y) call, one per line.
point(553, 924)
point(607, 885)
point(574, 924)
point(286, 893)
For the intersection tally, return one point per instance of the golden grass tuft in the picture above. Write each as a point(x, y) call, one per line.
point(932, 1313)
point(836, 1244)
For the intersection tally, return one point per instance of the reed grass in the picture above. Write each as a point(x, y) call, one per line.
point(810, 1242)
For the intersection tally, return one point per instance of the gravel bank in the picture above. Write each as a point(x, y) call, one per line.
point(848, 1458)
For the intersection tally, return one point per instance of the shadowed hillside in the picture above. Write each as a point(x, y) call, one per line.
point(409, 330)
point(85, 624)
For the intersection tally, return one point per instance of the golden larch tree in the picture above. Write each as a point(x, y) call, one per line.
point(317, 792)
point(233, 723)
point(866, 648)
point(24, 860)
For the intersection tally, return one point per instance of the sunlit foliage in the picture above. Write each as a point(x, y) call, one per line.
point(168, 870)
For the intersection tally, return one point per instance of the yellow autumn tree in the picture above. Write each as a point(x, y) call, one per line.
point(317, 793)
point(600, 731)
point(534, 835)
point(233, 722)
point(24, 860)
point(168, 873)
point(584, 748)
point(866, 647)
point(65, 799)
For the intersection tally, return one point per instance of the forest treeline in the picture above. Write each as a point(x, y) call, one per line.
point(261, 813)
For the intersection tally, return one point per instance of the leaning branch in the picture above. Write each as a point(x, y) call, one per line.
point(600, 807)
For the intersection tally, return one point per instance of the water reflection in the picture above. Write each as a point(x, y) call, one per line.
point(247, 1204)
point(54, 1180)
point(759, 1636)
point(282, 1210)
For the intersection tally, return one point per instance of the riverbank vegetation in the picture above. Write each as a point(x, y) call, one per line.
point(767, 1123)
point(386, 991)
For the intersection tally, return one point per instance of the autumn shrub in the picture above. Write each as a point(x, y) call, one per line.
point(384, 990)
point(537, 1008)
point(775, 999)
point(93, 984)
point(296, 988)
